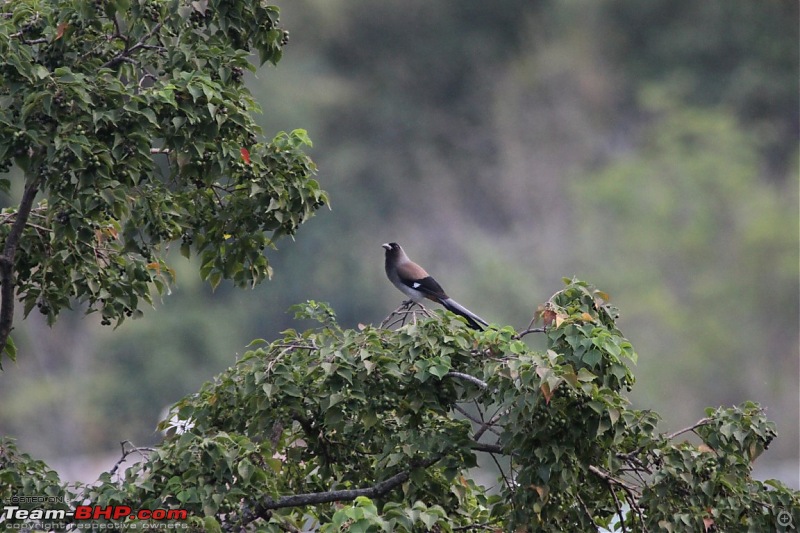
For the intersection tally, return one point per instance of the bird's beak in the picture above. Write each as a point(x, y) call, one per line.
point(386, 246)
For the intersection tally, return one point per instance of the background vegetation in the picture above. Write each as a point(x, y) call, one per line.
point(648, 147)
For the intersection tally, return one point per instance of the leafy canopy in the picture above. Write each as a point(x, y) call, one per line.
point(134, 130)
point(379, 430)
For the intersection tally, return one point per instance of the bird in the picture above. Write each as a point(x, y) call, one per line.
point(413, 281)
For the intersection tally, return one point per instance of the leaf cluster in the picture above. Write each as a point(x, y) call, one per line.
point(132, 120)
point(377, 430)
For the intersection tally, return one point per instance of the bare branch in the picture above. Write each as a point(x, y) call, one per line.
point(466, 377)
point(140, 44)
point(585, 509)
point(488, 425)
point(127, 452)
point(483, 425)
point(619, 509)
point(529, 330)
point(701, 422)
point(402, 313)
point(630, 491)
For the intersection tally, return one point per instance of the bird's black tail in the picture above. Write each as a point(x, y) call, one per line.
point(473, 320)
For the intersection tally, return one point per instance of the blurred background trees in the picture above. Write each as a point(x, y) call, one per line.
point(650, 148)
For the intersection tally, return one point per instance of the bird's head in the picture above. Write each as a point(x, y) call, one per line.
point(393, 250)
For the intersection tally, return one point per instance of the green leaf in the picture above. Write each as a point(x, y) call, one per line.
point(245, 470)
point(211, 525)
point(215, 279)
point(41, 72)
point(10, 350)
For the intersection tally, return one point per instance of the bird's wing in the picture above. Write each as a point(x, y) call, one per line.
point(427, 286)
point(414, 276)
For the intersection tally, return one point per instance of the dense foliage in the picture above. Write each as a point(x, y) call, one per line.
point(134, 130)
point(636, 144)
point(378, 429)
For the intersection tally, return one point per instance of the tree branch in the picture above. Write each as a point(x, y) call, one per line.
point(585, 508)
point(125, 54)
point(402, 313)
point(488, 448)
point(701, 422)
point(315, 498)
point(630, 492)
point(488, 425)
point(612, 480)
point(466, 377)
point(483, 424)
point(618, 506)
point(127, 452)
point(529, 330)
point(7, 278)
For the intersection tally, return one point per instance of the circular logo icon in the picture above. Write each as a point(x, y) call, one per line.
point(784, 518)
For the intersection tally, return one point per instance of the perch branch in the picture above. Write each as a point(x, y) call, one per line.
point(401, 314)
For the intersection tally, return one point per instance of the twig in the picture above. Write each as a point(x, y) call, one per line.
point(403, 312)
point(147, 76)
point(619, 510)
point(585, 508)
point(126, 453)
point(34, 212)
point(506, 480)
point(701, 422)
point(529, 330)
point(533, 320)
point(476, 420)
point(485, 525)
point(488, 425)
point(630, 491)
point(40, 228)
point(117, 31)
point(124, 55)
point(611, 479)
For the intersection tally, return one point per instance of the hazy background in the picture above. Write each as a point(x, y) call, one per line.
point(650, 148)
